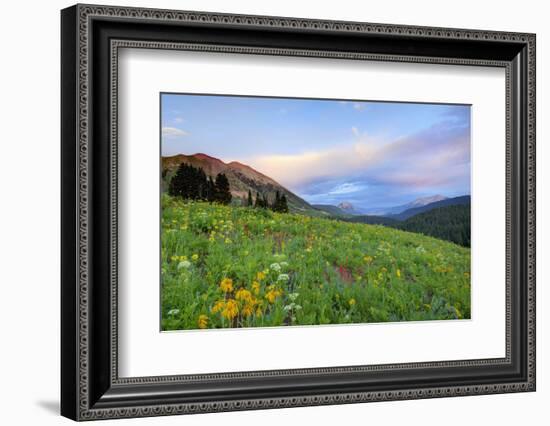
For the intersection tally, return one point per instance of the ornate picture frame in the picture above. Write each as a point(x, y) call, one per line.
point(91, 38)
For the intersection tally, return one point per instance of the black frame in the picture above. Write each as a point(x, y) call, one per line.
point(90, 386)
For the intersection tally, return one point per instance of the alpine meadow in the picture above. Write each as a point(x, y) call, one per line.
point(286, 211)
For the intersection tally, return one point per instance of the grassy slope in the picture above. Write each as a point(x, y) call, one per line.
point(295, 269)
point(372, 220)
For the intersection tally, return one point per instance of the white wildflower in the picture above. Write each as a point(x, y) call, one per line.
point(292, 306)
point(275, 266)
point(293, 296)
point(184, 264)
point(283, 277)
point(173, 312)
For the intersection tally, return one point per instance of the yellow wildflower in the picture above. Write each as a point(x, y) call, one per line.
point(243, 294)
point(351, 301)
point(259, 308)
point(247, 310)
point(256, 287)
point(368, 259)
point(203, 321)
point(231, 309)
point(260, 275)
point(195, 257)
point(226, 285)
point(272, 294)
point(398, 273)
point(218, 306)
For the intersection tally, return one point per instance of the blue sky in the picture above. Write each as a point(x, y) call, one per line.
point(372, 154)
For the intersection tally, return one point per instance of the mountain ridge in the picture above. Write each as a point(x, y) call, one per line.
point(441, 219)
point(422, 201)
point(242, 178)
point(461, 200)
point(418, 202)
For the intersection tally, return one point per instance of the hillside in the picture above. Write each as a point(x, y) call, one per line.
point(463, 200)
point(228, 266)
point(451, 223)
point(371, 220)
point(242, 178)
point(348, 208)
point(447, 219)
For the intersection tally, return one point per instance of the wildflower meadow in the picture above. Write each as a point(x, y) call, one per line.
point(225, 266)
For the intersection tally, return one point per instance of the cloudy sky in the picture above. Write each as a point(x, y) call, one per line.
point(372, 154)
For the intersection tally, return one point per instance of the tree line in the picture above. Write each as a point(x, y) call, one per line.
point(192, 183)
point(280, 203)
point(451, 223)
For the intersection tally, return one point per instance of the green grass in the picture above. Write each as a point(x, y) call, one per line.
point(225, 266)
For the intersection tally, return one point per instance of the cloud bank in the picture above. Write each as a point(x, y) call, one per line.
point(434, 160)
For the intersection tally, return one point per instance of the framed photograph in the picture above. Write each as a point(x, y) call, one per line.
point(263, 212)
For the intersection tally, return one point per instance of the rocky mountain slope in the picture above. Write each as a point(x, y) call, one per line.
point(242, 178)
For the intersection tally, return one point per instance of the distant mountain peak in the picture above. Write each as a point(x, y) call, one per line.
point(418, 202)
point(346, 206)
point(444, 202)
point(422, 201)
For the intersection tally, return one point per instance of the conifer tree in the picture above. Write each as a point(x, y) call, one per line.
point(202, 184)
point(249, 202)
point(210, 190)
point(179, 185)
point(223, 192)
